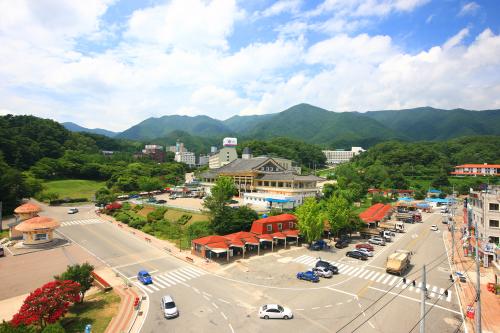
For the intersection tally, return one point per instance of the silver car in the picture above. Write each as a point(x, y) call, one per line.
point(275, 311)
point(322, 272)
point(168, 307)
point(376, 240)
point(365, 251)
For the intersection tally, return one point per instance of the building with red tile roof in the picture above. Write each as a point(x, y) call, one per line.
point(375, 213)
point(477, 170)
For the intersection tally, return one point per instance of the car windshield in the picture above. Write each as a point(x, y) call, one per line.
point(264, 307)
point(146, 275)
point(169, 305)
point(280, 308)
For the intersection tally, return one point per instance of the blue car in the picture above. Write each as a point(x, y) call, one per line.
point(144, 277)
point(308, 276)
point(319, 245)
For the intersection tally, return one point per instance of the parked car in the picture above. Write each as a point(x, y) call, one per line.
point(308, 276)
point(161, 201)
point(356, 255)
point(275, 311)
point(365, 251)
point(377, 241)
point(168, 307)
point(369, 247)
point(2, 253)
point(322, 272)
point(327, 265)
point(319, 245)
point(345, 238)
point(72, 210)
point(434, 227)
point(144, 277)
point(341, 244)
point(135, 196)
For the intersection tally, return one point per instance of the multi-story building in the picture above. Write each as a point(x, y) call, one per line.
point(484, 211)
point(155, 152)
point(477, 170)
point(186, 157)
point(178, 148)
point(263, 182)
point(203, 160)
point(340, 156)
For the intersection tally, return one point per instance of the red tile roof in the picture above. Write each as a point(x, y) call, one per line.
point(37, 223)
point(209, 239)
point(291, 233)
point(277, 218)
point(27, 208)
point(218, 245)
point(478, 166)
point(375, 213)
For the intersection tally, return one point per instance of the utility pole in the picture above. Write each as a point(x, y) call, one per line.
point(423, 297)
point(453, 229)
point(478, 283)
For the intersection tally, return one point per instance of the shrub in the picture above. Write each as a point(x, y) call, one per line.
point(137, 208)
point(199, 229)
point(54, 328)
point(157, 214)
point(185, 218)
point(137, 222)
point(123, 217)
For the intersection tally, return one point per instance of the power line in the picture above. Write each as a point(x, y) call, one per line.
point(389, 290)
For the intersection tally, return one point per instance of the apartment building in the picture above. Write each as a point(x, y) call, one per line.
point(186, 157)
point(477, 170)
point(338, 156)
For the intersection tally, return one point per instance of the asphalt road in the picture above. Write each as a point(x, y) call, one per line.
point(363, 298)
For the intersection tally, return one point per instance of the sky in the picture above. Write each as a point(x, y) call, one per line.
point(113, 63)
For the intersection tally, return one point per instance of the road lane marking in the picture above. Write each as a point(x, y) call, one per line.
point(340, 303)
point(382, 275)
point(363, 274)
point(328, 306)
point(188, 273)
point(215, 305)
point(369, 323)
point(204, 293)
point(386, 279)
point(355, 272)
point(143, 287)
point(433, 292)
point(195, 271)
point(163, 280)
point(184, 275)
point(367, 277)
point(140, 262)
point(174, 277)
point(196, 290)
point(152, 286)
point(415, 300)
point(223, 300)
point(315, 308)
point(448, 299)
point(231, 328)
point(348, 270)
point(158, 282)
point(223, 315)
point(169, 279)
point(205, 297)
point(393, 280)
point(299, 309)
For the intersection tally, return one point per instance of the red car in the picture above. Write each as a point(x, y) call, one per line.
point(369, 247)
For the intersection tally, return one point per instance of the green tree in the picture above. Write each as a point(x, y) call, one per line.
point(81, 274)
point(310, 219)
point(6, 327)
point(338, 212)
point(199, 229)
point(220, 195)
point(104, 196)
point(441, 180)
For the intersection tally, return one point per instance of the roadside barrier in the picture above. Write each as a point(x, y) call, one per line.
point(101, 283)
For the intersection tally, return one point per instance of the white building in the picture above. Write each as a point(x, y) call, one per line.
point(341, 156)
point(485, 209)
point(203, 160)
point(186, 157)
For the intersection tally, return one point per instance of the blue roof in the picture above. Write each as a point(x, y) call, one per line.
point(423, 205)
point(405, 199)
point(432, 190)
point(439, 200)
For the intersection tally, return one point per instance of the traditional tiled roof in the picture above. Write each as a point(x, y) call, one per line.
point(375, 213)
point(36, 223)
point(478, 166)
point(239, 165)
point(288, 176)
point(209, 239)
point(277, 218)
point(28, 208)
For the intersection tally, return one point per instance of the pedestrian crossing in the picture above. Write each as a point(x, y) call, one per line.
point(379, 277)
point(81, 222)
point(170, 279)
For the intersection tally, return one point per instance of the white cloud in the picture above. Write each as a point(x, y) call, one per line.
point(457, 39)
point(282, 6)
point(186, 24)
point(469, 8)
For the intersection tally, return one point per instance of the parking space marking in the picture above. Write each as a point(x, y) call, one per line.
point(231, 328)
point(316, 308)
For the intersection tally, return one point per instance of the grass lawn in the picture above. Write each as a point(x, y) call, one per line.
point(364, 205)
point(4, 233)
point(74, 188)
point(97, 310)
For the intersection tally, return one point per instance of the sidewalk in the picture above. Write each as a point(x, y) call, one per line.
point(490, 303)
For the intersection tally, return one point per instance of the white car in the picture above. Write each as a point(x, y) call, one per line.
point(72, 210)
point(272, 311)
point(168, 307)
point(434, 227)
point(322, 272)
point(365, 251)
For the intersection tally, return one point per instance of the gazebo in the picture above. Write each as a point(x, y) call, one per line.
point(37, 230)
point(22, 213)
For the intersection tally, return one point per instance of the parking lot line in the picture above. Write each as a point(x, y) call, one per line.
point(356, 272)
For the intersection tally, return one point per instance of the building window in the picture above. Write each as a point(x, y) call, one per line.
point(290, 225)
point(40, 237)
point(280, 226)
point(494, 224)
point(493, 206)
point(269, 228)
point(494, 239)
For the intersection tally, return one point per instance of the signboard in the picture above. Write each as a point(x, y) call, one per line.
point(230, 142)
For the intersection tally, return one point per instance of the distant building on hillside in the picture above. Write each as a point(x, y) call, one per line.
point(186, 157)
point(338, 156)
point(178, 148)
point(154, 152)
point(477, 170)
point(203, 160)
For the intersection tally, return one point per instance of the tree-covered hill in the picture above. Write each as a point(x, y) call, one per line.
point(77, 128)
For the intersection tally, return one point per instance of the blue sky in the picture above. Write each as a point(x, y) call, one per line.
point(112, 63)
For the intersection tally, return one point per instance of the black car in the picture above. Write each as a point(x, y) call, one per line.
point(356, 255)
point(327, 265)
point(341, 244)
point(161, 201)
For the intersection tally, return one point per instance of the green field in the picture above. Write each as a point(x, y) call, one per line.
point(73, 188)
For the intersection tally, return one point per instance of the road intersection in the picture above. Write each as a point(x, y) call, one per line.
point(361, 298)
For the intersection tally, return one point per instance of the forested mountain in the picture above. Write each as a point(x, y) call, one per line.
point(77, 128)
point(435, 124)
point(160, 127)
point(329, 129)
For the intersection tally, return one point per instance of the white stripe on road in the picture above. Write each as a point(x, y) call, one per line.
point(196, 271)
point(369, 275)
point(158, 282)
point(386, 279)
point(348, 270)
point(152, 286)
point(223, 315)
point(433, 293)
point(382, 275)
point(362, 274)
point(419, 287)
point(393, 280)
point(169, 279)
point(448, 299)
point(160, 278)
point(143, 287)
point(188, 273)
point(184, 275)
point(215, 305)
point(355, 272)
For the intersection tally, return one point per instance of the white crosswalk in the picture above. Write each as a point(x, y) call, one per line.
point(379, 277)
point(171, 278)
point(81, 222)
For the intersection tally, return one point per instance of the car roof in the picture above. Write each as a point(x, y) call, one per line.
point(143, 272)
point(167, 298)
point(271, 306)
